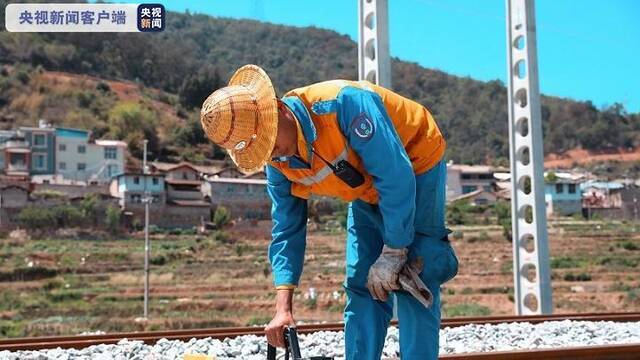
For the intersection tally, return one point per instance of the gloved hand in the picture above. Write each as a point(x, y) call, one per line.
point(383, 274)
point(410, 282)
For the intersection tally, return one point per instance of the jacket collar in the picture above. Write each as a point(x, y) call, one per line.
point(302, 115)
point(309, 133)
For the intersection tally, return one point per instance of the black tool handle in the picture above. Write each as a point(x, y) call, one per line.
point(291, 338)
point(271, 352)
point(292, 347)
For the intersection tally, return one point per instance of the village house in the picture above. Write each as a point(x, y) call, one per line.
point(562, 194)
point(244, 198)
point(465, 179)
point(183, 185)
point(478, 197)
point(81, 159)
point(14, 196)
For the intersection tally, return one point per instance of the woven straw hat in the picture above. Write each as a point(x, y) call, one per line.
point(243, 117)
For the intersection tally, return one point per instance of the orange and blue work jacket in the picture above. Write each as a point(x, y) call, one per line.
point(386, 137)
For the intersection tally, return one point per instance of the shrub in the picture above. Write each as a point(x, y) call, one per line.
point(565, 262)
point(579, 277)
point(112, 219)
point(619, 262)
point(23, 77)
point(458, 212)
point(158, 260)
point(221, 236)
point(10, 300)
point(633, 296)
point(629, 245)
point(103, 86)
point(506, 267)
point(89, 207)
point(36, 217)
point(64, 295)
point(67, 215)
point(466, 310)
point(242, 249)
point(502, 211)
point(258, 320)
point(341, 212)
point(551, 177)
point(190, 231)
point(28, 274)
point(221, 216)
point(11, 329)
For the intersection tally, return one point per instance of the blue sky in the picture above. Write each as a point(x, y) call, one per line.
point(587, 49)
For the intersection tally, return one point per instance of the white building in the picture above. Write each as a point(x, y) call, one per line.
point(80, 159)
point(110, 155)
point(465, 179)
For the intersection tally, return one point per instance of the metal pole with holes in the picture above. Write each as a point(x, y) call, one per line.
point(374, 63)
point(145, 199)
point(532, 282)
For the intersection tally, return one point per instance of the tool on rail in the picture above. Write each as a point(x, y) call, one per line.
point(293, 347)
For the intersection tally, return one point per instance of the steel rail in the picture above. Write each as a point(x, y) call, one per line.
point(149, 337)
point(595, 352)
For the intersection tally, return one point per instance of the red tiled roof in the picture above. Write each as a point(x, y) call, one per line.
point(18, 181)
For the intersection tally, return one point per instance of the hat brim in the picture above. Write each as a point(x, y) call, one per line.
point(258, 152)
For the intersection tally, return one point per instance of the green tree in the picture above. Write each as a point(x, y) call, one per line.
point(112, 219)
point(221, 216)
point(458, 212)
point(89, 207)
point(36, 217)
point(190, 134)
point(551, 177)
point(197, 87)
point(132, 123)
point(502, 211)
point(67, 215)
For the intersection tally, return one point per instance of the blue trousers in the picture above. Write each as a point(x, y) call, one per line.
point(366, 320)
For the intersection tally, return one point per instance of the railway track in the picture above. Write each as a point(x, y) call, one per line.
point(622, 352)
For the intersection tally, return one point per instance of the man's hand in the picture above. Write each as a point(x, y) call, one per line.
point(284, 317)
point(384, 273)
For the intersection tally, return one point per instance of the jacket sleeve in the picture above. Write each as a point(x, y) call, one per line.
point(371, 134)
point(289, 232)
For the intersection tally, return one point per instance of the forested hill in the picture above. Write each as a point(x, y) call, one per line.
point(198, 53)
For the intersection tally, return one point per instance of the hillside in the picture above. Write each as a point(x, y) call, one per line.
point(113, 109)
point(198, 53)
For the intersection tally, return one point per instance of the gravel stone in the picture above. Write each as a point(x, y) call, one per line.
point(469, 338)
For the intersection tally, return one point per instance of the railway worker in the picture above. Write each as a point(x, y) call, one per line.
point(368, 146)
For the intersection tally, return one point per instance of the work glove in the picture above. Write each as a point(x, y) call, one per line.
point(410, 282)
point(383, 274)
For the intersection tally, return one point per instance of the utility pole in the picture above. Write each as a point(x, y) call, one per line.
point(145, 199)
point(374, 62)
point(532, 280)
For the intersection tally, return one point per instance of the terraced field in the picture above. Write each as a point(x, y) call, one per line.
point(53, 286)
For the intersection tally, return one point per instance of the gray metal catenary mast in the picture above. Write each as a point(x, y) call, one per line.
point(532, 282)
point(374, 63)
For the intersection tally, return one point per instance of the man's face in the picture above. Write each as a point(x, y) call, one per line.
point(287, 138)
